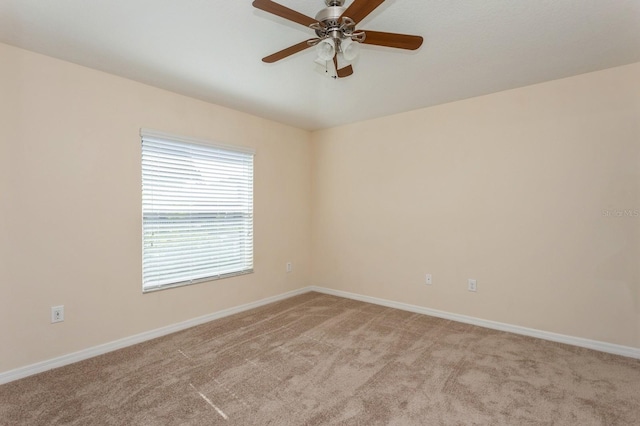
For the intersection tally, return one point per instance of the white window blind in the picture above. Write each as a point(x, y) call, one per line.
point(197, 210)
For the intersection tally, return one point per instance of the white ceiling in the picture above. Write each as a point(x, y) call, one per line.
point(212, 50)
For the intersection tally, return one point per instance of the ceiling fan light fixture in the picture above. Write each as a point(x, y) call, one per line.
point(349, 49)
point(326, 49)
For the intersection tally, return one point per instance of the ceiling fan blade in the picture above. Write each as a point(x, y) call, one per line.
point(399, 41)
point(342, 72)
point(359, 9)
point(345, 72)
point(283, 12)
point(287, 52)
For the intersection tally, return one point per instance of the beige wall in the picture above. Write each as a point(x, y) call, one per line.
point(70, 223)
point(509, 189)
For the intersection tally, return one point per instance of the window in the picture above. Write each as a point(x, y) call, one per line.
point(197, 211)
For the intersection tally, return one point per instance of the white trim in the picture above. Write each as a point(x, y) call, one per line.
point(61, 361)
point(81, 355)
point(611, 348)
point(186, 139)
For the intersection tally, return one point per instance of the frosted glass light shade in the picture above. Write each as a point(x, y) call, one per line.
point(349, 49)
point(326, 49)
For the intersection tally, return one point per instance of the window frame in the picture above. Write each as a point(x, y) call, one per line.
point(162, 137)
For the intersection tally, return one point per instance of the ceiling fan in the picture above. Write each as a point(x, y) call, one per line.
point(335, 28)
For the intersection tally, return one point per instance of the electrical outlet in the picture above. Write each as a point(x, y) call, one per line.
point(289, 266)
point(473, 285)
point(428, 279)
point(57, 314)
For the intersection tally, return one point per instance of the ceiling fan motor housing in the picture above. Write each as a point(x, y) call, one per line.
point(330, 16)
point(333, 25)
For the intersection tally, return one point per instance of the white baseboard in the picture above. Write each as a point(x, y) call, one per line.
point(63, 360)
point(40, 367)
point(611, 348)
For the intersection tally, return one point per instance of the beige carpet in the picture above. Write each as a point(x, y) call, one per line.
point(317, 359)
